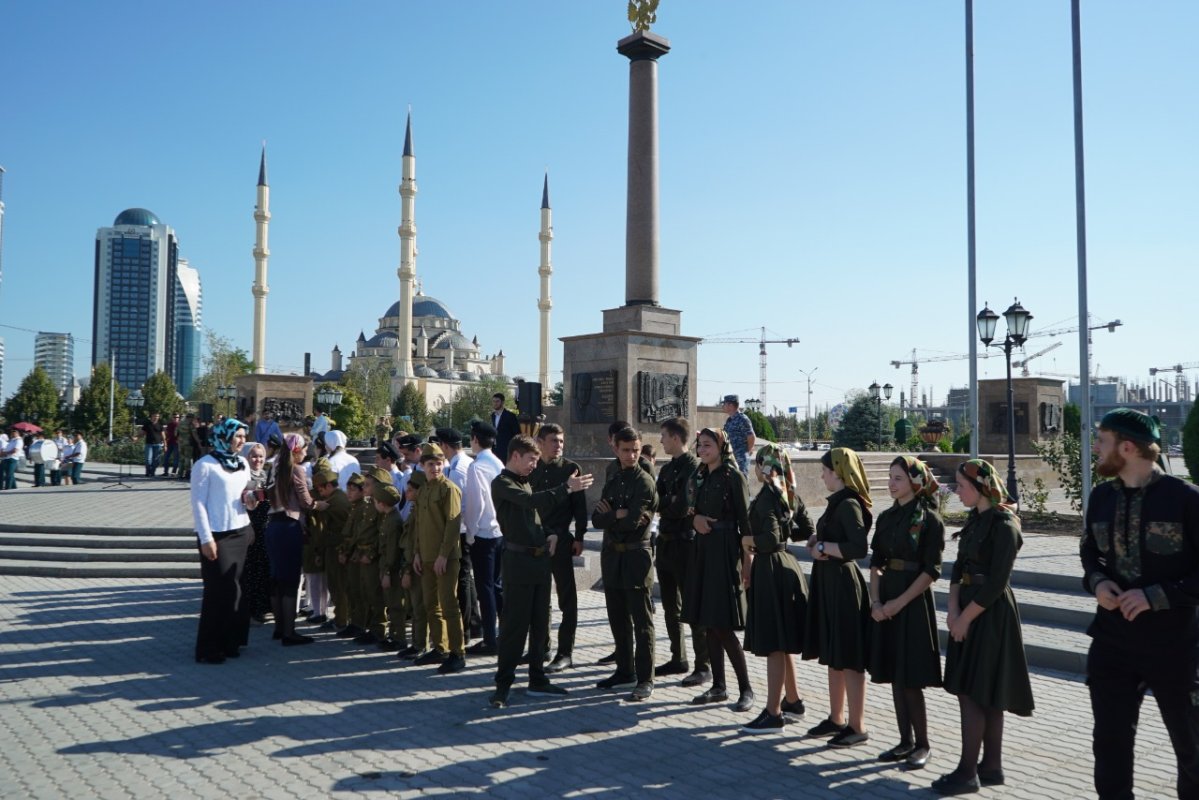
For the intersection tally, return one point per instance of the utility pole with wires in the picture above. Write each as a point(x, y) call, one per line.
point(808, 408)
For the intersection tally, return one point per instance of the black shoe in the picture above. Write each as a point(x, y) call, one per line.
point(672, 667)
point(319, 619)
point(408, 653)
point(211, 659)
point(826, 728)
point(349, 632)
point(430, 658)
point(608, 659)
point(849, 738)
point(697, 678)
point(304, 613)
point(294, 639)
point(558, 664)
point(952, 785)
point(990, 777)
point(745, 700)
point(328, 625)
point(366, 638)
point(792, 710)
point(481, 649)
point(388, 645)
point(765, 723)
point(499, 698)
point(919, 757)
point(546, 690)
point(451, 665)
point(899, 752)
point(642, 691)
point(715, 694)
point(617, 682)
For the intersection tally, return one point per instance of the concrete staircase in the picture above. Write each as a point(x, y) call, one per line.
point(95, 552)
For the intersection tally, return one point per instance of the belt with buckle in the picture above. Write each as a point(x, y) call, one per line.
point(973, 580)
point(626, 547)
point(526, 549)
point(899, 565)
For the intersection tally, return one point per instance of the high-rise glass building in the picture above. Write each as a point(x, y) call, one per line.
point(189, 306)
point(136, 280)
point(55, 353)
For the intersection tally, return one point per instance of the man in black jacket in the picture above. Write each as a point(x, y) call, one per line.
point(505, 423)
point(1140, 557)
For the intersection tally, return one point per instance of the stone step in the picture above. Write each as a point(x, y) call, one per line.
point(101, 554)
point(122, 540)
point(111, 569)
point(94, 530)
point(1045, 646)
point(1072, 610)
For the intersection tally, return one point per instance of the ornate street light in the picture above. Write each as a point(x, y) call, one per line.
point(135, 400)
point(329, 396)
point(879, 393)
point(1017, 319)
point(227, 393)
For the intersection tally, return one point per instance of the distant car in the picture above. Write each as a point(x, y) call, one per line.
point(824, 446)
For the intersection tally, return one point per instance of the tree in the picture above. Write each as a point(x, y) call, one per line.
point(820, 427)
point(161, 395)
point(1072, 419)
point(1190, 442)
point(784, 426)
point(762, 427)
point(91, 412)
point(558, 395)
point(860, 426)
point(36, 401)
point(1064, 454)
point(409, 410)
point(222, 364)
point(351, 416)
point(370, 378)
point(471, 401)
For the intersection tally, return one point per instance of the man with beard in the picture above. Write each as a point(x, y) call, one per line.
point(1140, 556)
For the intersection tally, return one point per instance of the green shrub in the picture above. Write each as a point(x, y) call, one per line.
point(119, 452)
point(962, 443)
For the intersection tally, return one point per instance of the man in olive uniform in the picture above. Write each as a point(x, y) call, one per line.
point(387, 498)
point(439, 515)
point(333, 523)
point(553, 470)
point(382, 431)
point(409, 580)
point(676, 548)
point(525, 564)
point(1140, 558)
point(624, 512)
point(356, 494)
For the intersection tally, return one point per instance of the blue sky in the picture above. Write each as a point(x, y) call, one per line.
point(812, 172)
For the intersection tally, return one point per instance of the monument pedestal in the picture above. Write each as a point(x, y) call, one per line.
point(640, 369)
point(287, 397)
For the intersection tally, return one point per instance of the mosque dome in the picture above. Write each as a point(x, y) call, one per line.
point(454, 340)
point(136, 216)
point(423, 371)
point(422, 306)
point(385, 339)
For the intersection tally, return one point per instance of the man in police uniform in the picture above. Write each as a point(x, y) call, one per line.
point(438, 517)
point(553, 470)
point(1140, 557)
point(528, 550)
point(676, 546)
point(624, 512)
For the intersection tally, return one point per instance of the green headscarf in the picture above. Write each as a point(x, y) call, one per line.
point(849, 469)
point(983, 477)
point(925, 486)
point(776, 466)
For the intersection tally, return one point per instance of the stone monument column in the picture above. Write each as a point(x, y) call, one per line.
point(643, 49)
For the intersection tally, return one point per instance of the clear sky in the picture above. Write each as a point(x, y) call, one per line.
point(812, 172)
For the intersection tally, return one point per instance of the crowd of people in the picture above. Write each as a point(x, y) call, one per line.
point(448, 539)
point(60, 465)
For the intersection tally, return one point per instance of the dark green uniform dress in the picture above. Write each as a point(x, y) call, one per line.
point(713, 596)
point(778, 590)
point(905, 650)
point(989, 667)
point(839, 600)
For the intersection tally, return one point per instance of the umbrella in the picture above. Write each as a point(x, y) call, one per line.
point(27, 427)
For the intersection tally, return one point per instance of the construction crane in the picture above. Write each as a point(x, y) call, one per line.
point(1023, 363)
point(1180, 381)
point(913, 398)
point(762, 342)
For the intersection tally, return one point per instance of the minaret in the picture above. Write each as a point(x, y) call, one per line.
point(262, 218)
point(545, 271)
point(407, 270)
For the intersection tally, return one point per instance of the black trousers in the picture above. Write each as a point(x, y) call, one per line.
point(468, 595)
point(673, 559)
point(224, 619)
point(631, 617)
point(1118, 679)
point(526, 614)
point(562, 564)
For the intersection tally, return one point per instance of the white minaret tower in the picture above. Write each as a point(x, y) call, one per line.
point(262, 218)
point(545, 271)
point(407, 270)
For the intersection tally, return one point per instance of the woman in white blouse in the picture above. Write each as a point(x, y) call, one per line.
point(219, 500)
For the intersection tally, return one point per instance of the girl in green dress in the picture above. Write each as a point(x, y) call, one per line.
point(715, 597)
point(777, 589)
point(906, 560)
point(984, 662)
point(838, 604)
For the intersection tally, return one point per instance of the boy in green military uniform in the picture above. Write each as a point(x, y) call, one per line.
point(623, 512)
point(356, 494)
point(409, 580)
point(387, 498)
point(525, 565)
point(333, 523)
point(439, 514)
point(366, 556)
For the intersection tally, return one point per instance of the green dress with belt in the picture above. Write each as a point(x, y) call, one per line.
point(905, 650)
point(989, 667)
point(835, 632)
point(778, 590)
point(714, 598)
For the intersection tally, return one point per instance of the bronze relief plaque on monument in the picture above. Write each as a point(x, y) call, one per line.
point(661, 396)
point(593, 396)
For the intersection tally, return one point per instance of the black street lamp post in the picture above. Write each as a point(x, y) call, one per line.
point(227, 393)
point(1017, 332)
point(330, 398)
point(875, 390)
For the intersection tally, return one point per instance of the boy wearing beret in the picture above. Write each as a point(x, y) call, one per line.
point(356, 494)
point(387, 500)
point(333, 523)
point(438, 512)
point(409, 580)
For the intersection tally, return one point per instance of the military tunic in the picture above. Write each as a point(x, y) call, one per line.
point(333, 523)
point(839, 601)
point(905, 650)
point(675, 554)
point(714, 598)
point(416, 599)
point(365, 546)
point(778, 590)
point(989, 667)
point(438, 513)
point(565, 511)
point(395, 599)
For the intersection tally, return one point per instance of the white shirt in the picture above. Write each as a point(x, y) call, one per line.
point(478, 509)
point(319, 426)
point(344, 465)
point(456, 471)
point(406, 471)
point(216, 498)
point(11, 448)
point(79, 452)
